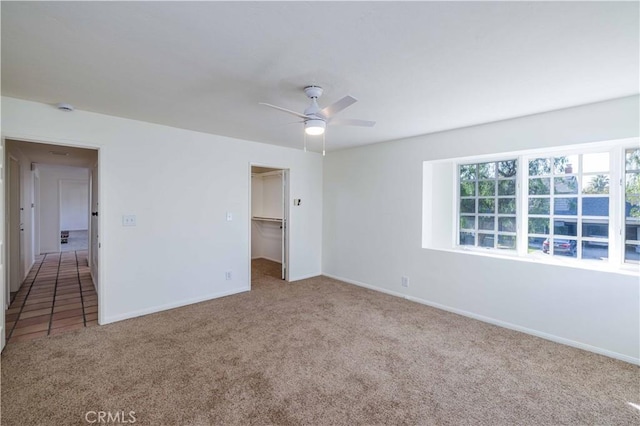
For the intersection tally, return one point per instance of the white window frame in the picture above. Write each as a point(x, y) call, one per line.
point(579, 218)
point(616, 218)
point(623, 176)
point(496, 197)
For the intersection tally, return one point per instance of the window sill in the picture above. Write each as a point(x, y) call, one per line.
point(627, 269)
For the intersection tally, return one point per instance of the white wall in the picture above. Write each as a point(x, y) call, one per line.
point(50, 211)
point(372, 234)
point(266, 240)
point(179, 184)
point(74, 205)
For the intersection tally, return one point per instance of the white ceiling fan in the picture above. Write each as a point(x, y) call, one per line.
point(315, 119)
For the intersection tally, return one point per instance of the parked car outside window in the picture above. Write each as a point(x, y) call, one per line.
point(560, 246)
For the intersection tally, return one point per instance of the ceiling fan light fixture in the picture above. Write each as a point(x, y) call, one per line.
point(314, 127)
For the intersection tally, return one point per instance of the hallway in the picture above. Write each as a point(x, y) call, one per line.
point(56, 297)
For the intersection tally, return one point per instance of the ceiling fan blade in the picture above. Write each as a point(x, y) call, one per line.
point(337, 106)
point(352, 122)
point(297, 114)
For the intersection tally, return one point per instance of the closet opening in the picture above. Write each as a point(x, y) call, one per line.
point(269, 227)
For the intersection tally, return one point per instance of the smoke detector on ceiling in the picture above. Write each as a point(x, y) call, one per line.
point(65, 107)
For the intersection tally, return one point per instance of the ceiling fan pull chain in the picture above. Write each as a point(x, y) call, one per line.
point(323, 143)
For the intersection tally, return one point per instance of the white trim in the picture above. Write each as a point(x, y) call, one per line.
point(496, 322)
point(369, 286)
point(11, 245)
point(173, 305)
point(102, 270)
point(3, 270)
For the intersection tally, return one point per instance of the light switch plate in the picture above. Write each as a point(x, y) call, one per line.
point(229, 216)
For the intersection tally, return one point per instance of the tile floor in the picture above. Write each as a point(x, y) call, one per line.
point(57, 296)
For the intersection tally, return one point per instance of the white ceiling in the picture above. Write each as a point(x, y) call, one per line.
point(416, 67)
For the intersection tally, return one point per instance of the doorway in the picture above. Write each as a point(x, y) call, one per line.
point(14, 227)
point(269, 224)
point(74, 213)
point(48, 192)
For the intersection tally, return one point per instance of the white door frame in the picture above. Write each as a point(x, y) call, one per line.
point(285, 224)
point(14, 248)
point(35, 213)
point(103, 237)
point(3, 279)
point(94, 227)
point(285, 213)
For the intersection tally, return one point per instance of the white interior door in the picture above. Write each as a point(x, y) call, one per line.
point(94, 243)
point(4, 288)
point(15, 225)
point(36, 213)
point(285, 223)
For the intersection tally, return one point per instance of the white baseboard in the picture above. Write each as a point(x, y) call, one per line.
point(303, 277)
point(504, 324)
point(173, 305)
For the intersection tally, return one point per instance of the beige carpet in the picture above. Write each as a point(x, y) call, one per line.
point(316, 352)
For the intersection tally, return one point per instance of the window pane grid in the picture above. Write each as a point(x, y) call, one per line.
point(572, 205)
point(565, 193)
point(487, 200)
point(631, 224)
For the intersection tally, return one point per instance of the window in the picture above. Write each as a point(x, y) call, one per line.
point(632, 206)
point(579, 204)
point(568, 206)
point(488, 204)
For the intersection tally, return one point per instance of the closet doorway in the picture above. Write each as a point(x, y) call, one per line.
point(269, 227)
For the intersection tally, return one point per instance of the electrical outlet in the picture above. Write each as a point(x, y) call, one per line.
point(404, 281)
point(129, 220)
point(228, 275)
